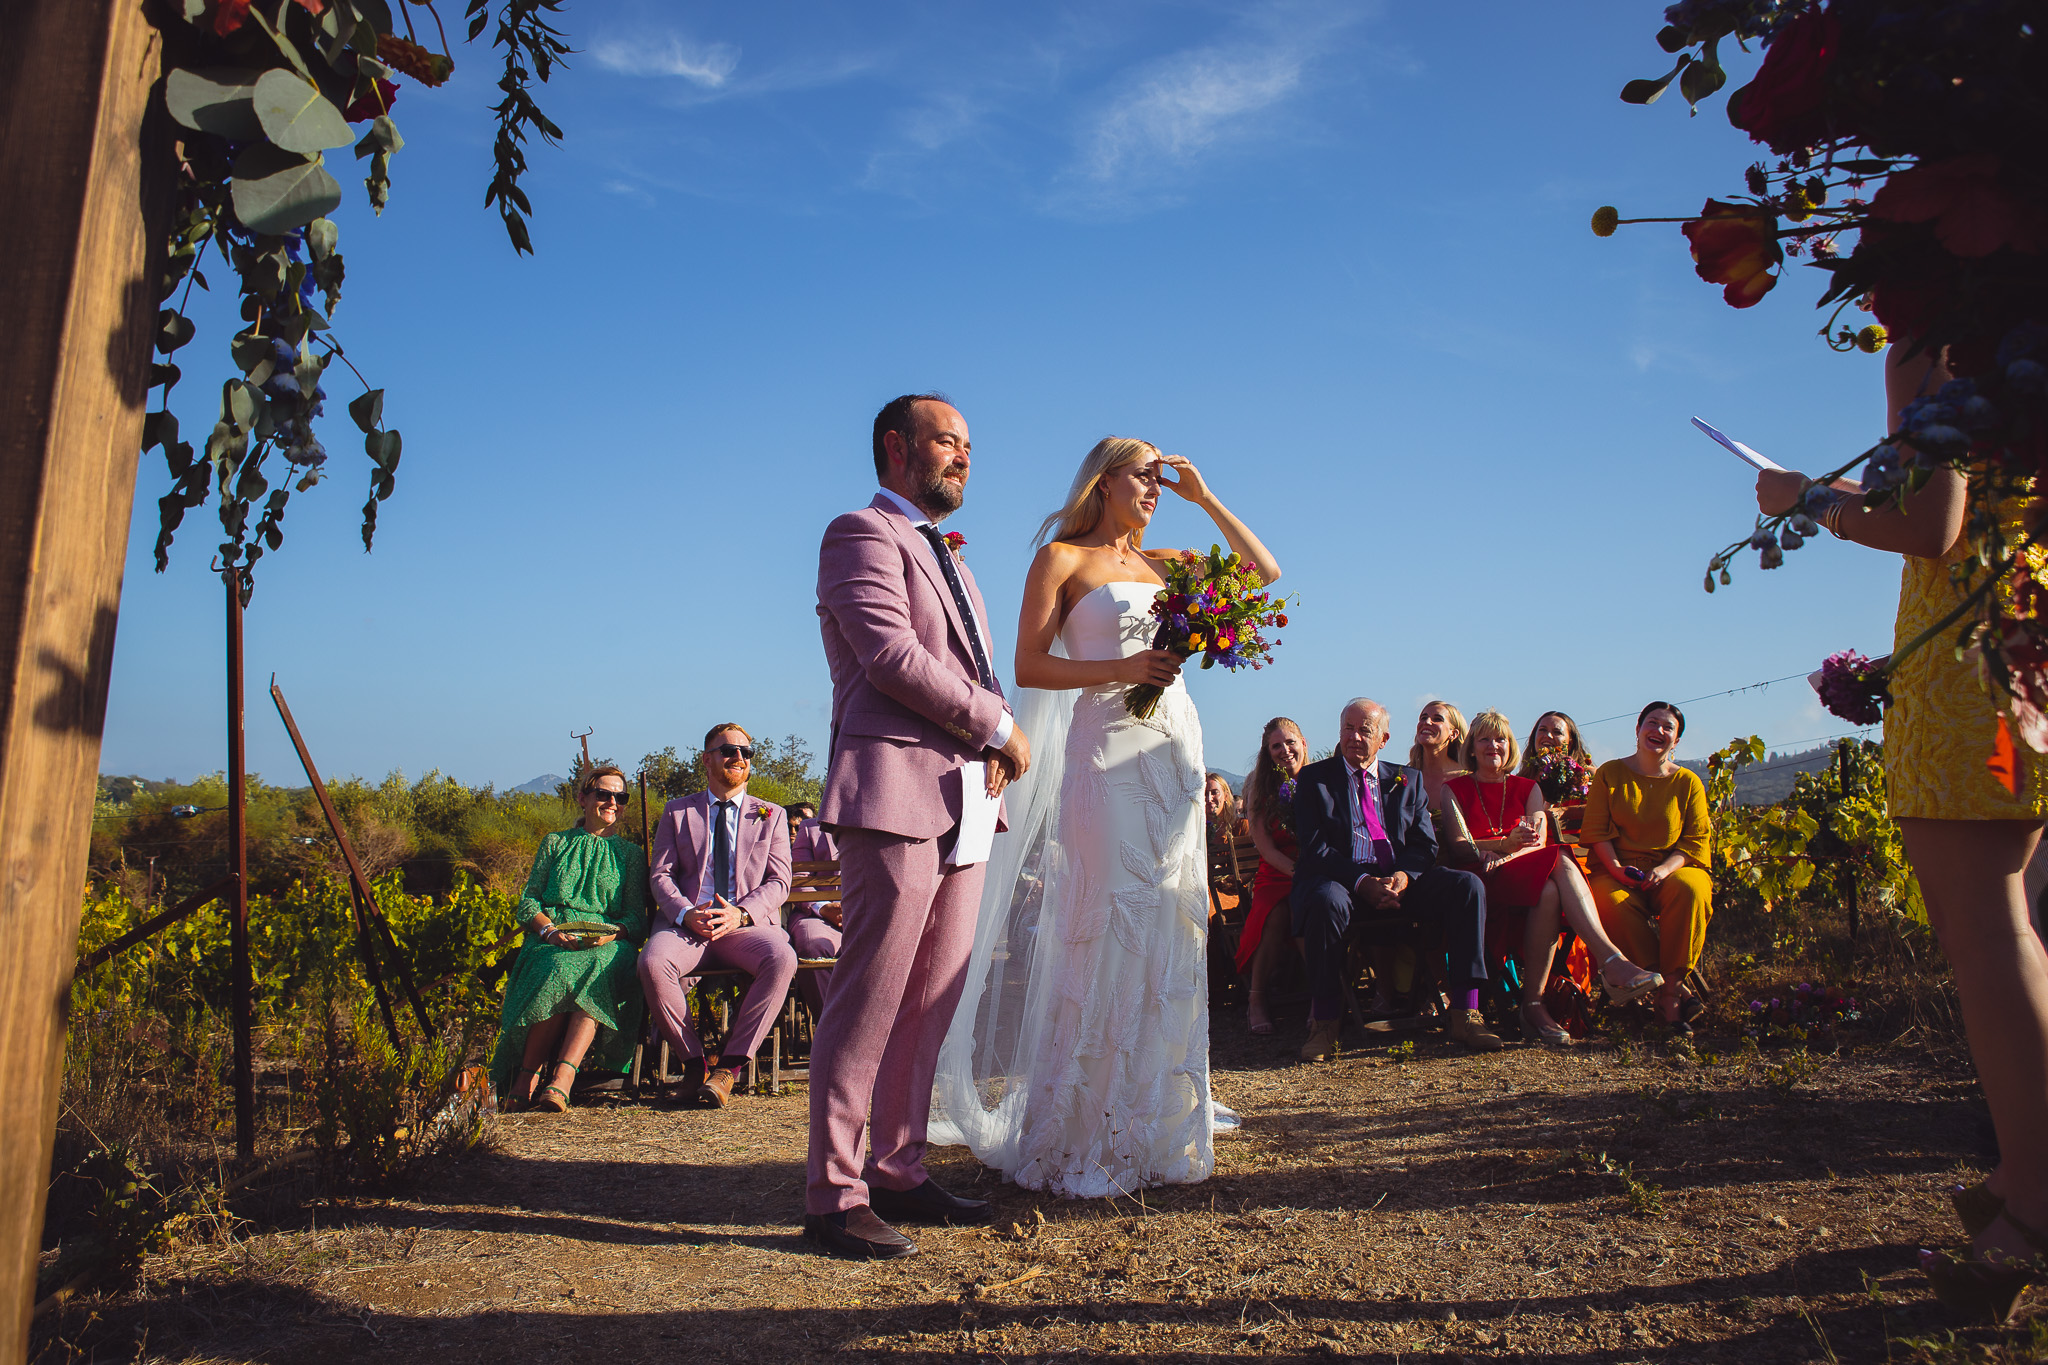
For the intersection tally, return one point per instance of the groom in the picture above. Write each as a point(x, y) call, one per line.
point(914, 699)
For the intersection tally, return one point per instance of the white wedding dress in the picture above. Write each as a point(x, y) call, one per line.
point(1079, 1059)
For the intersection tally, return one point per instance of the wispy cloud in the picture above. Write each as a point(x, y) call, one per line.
point(629, 190)
point(1184, 107)
point(1167, 117)
point(709, 65)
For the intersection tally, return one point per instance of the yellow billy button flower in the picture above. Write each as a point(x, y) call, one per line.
point(1606, 219)
point(1872, 339)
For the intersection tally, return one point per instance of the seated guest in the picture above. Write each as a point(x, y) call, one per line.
point(1652, 841)
point(798, 811)
point(814, 926)
point(1368, 851)
point(570, 998)
point(1528, 877)
point(1268, 933)
point(1438, 752)
point(1219, 804)
point(1555, 730)
point(720, 872)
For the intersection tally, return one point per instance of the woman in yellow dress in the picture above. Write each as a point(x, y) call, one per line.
point(1967, 836)
point(1652, 841)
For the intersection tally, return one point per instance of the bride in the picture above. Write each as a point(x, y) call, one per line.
point(1079, 1059)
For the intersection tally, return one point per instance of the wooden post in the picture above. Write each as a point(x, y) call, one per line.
point(85, 175)
point(238, 868)
point(1843, 754)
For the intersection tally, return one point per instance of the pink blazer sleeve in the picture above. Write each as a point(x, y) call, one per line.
point(764, 901)
point(862, 585)
point(670, 902)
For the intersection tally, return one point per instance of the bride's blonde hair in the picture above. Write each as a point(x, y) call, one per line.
point(1083, 511)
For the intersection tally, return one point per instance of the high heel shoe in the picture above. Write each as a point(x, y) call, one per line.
point(1988, 1288)
point(1977, 1208)
point(1640, 985)
point(1537, 1024)
point(1256, 1018)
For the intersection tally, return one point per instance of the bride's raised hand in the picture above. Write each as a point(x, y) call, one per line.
point(1188, 481)
point(1158, 667)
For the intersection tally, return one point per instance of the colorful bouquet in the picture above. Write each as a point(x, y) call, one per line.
point(1562, 777)
point(1215, 606)
point(1853, 687)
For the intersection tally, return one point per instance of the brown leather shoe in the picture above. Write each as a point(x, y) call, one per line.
point(857, 1235)
point(1468, 1030)
point(1322, 1039)
point(717, 1088)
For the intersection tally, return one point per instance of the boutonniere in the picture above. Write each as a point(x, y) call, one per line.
point(955, 542)
point(1400, 779)
point(761, 812)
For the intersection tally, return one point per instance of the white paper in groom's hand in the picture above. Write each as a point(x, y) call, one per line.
point(977, 832)
point(1738, 449)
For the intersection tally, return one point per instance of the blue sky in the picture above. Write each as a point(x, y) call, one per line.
point(1335, 253)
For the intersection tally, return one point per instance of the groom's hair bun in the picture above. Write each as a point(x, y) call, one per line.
point(895, 416)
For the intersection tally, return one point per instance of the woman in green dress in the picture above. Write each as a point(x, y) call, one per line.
point(574, 996)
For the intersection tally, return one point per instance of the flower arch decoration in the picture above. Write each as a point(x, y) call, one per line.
point(1905, 165)
point(261, 92)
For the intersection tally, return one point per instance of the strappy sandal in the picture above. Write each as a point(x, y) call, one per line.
point(522, 1094)
point(1984, 1290)
point(1640, 985)
point(553, 1099)
point(1977, 1208)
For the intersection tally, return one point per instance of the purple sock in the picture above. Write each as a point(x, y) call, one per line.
point(1468, 999)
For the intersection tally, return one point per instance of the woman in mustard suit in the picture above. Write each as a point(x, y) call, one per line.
point(1652, 842)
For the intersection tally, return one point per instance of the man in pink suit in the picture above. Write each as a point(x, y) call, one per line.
point(914, 700)
point(814, 927)
point(720, 872)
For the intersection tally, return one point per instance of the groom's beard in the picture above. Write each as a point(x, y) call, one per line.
point(938, 498)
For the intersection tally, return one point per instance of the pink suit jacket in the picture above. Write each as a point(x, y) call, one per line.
point(812, 843)
point(907, 710)
point(682, 847)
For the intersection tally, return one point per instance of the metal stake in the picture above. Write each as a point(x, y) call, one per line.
point(238, 869)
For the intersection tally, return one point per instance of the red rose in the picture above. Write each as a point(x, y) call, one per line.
point(1784, 104)
point(1735, 245)
point(1281, 619)
point(231, 15)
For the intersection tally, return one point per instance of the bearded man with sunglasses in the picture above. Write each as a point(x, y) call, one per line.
point(720, 873)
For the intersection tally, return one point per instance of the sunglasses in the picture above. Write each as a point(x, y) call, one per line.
point(745, 751)
point(605, 798)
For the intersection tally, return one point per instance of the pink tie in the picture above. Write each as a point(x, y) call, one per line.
point(1368, 806)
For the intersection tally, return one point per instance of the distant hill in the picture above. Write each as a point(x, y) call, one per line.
point(1768, 782)
point(544, 785)
point(1236, 780)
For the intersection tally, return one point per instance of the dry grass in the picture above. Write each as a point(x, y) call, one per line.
point(1446, 1207)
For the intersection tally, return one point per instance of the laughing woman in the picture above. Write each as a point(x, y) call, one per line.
point(1527, 876)
point(1652, 841)
point(574, 995)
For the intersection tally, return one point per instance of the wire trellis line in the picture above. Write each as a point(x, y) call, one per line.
point(1746, 687)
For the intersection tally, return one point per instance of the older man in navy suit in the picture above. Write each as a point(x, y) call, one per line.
point(1368, 850)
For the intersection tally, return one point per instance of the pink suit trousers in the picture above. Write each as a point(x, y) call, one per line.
point(903, 963)
point(673, 957)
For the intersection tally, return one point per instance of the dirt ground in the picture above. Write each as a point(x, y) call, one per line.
point(1607, 1204)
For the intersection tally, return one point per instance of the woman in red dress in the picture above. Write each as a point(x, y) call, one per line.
point(1269, 806)
point(1530, 884)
